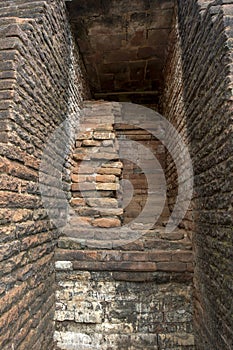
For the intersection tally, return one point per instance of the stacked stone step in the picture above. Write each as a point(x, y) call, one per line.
point(133, 173)
point(156, 253)
point(114, 292)
point(96, 171)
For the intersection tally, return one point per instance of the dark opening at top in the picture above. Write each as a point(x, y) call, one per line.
point(124, 46)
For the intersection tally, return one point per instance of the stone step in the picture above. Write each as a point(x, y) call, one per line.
point(179, 260)
point(88, 238)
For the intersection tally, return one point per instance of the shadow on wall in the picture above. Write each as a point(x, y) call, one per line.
point(206, 52)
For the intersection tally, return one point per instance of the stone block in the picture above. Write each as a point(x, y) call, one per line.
point(172, 266)
point(90, 143)
point(103, 135)
point(106, 222)
point(107, 186)
point(104, 155)
point(84, 186)
point(107, 143)
point(63, 265)
point(183, 256)
point(111, 211)
point(109, 171)
point(105, 178)
point(118, 165)
point(103, 202)
point(82, 178)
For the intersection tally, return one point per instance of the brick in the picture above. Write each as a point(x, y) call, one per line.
point(107, 143)
point(77, 201)
point(105, 178)
point(173, 236)
point(117, 165)
point(103, 135)
point(133, 276)
point(103, 202)
point(82, 178)
point(135, 256)
point(114, 266)
point(106, 222)
point(172, 266)
point(111, 211)
point(159, 256)
point(84, 186)
point(109, 171)
point(63, 265)
point(82, 170)
point(84, 136)
point(104, 155)
point(90, 143)
point(107, 186)
point(104, 127)
point(183, 256)
point(38, 89)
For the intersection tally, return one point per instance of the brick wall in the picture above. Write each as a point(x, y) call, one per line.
point(134, 296)
point(117, 287)
point(41, 82)
point(96, 169)
point(172, 107)
point(39, 66)
point(200, 96)
point(108, 311)
point(133, 173)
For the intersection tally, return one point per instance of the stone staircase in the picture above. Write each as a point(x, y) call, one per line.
point(120, 285)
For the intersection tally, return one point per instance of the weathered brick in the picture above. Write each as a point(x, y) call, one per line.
point(106, 222)
point(103, 202)
point(172, 266)
point(103, 135)
point(109, 171)
point(107, 186)
point(114, 266)
point(105, 178)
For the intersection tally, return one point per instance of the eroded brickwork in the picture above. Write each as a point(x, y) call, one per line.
point(120, 295)
point(96, 169)
point(173, 109)
point(134, 174)
point(135, 296)
point(107, 311)
point(38, 71)
point(198, 99)
point(115, 291)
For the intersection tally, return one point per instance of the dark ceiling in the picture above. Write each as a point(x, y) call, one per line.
point(124, 45)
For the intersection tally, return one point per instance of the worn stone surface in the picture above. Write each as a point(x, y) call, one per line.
point(105, 312)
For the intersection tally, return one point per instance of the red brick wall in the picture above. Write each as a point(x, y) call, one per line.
point(35, 81)
point(198, 101)
point(118, 285)
point(133, 173)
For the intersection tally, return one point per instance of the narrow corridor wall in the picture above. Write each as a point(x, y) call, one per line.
point(41, 83)
point(198, 96)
